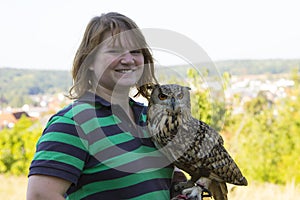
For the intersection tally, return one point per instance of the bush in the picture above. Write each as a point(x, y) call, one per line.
point(17, 146)
point(269, 142)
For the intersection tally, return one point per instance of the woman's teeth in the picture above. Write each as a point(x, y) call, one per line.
point(124, 70)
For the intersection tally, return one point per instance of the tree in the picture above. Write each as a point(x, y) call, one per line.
point(17, 146)
point(269, 140)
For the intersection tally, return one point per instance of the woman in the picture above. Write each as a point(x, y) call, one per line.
point(97, 147)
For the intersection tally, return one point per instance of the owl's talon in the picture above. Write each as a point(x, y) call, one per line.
point(197, 192)
point(183, 185)
point(205, 191)
point(193, 192)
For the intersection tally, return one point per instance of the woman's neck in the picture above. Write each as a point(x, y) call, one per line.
point(117, 96)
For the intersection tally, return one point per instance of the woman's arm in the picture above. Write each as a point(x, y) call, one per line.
point(41, 187)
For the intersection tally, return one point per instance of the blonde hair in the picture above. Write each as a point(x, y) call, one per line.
point(94, 34)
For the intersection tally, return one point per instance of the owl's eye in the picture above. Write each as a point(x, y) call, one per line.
point(180, 96)
point(162, 96)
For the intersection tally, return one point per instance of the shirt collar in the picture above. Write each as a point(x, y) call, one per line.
point(93, 98)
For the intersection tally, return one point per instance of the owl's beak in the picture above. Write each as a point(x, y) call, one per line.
point(173, 103)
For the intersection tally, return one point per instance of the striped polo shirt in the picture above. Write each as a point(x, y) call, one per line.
point(94, 145)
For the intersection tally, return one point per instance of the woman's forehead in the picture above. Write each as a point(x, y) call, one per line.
point(125, 39)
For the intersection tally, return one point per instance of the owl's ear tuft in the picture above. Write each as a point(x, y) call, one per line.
point(188, 88)
point(151, 86)
point(156, 86)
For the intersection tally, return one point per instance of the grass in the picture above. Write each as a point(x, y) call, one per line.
point(14, 188)
point(265, 191)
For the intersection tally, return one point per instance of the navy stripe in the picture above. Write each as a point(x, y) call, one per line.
point(98, 133)
point(54, 168)
point(63, 111)
point(65, 128)
point(107, 131)
point(132, 191)
point(118, 149)
point(126, 169)
point(63, 148)
point(90, 113)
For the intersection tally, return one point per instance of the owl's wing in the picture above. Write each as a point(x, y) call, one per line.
point(216, 158)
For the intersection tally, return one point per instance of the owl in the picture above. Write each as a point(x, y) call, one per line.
point(190, 144)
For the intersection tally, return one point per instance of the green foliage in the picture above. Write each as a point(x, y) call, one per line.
point(295, 75)
point(206, 104)
point(269, 139)
point(17, 146)
point(258, 105)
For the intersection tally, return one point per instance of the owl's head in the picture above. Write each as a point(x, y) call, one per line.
point(173, 98)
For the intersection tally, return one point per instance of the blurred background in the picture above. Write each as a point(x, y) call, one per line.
point(248, 88)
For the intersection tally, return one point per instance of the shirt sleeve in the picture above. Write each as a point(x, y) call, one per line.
point(61, 150)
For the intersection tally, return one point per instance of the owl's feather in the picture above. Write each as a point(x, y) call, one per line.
point(190, 144)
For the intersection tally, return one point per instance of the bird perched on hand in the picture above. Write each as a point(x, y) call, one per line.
point(190, 144)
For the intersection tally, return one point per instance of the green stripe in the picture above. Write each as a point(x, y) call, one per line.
point(125, 158)
point(131, 103)
point(121, 182)
point(60, 157)
point(131, 156)
point(60, 119)
point(144, 117)
point(95, 123)
point(109, 142)
point(79, 108)
point(64, 138)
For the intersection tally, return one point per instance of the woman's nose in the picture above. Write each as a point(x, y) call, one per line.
point(127, 58)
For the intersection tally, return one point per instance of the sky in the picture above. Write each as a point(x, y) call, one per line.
point(45, 34)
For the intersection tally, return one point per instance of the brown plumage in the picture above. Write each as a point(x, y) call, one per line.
point(190, 144)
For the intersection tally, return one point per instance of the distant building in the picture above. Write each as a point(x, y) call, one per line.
point(9, 119)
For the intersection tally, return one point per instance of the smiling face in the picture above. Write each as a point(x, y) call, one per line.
point(118, 62)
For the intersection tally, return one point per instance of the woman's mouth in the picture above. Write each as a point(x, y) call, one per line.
point(124, 71)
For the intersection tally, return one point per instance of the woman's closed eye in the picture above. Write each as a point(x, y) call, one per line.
point(115, 51)
point(136, 51)
point(123, 51)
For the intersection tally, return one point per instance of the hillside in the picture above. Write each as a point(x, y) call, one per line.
point(17, 85)
point(237, 67)
point(247, 67)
